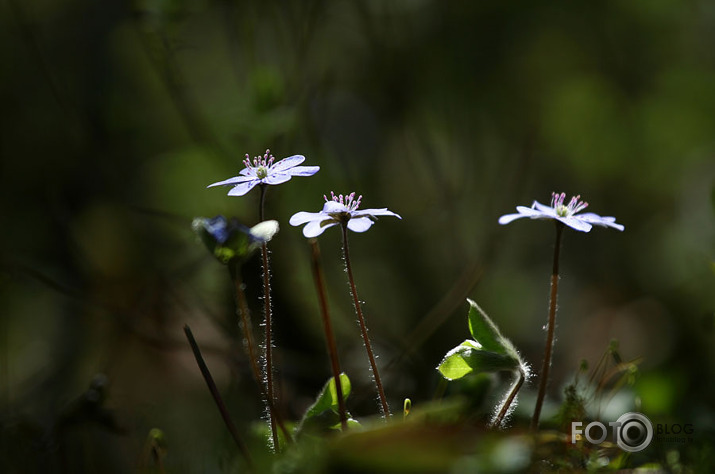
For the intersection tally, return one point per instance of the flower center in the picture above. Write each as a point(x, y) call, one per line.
point(574, 205)
point(348, 202)
point(261, 165)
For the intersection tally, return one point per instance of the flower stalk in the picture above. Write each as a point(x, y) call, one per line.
point(249, 345)
point(268, 323)
point(548, 349)
point(363, 327)
point(328, 328)
point(563, 215)
point(343, 210)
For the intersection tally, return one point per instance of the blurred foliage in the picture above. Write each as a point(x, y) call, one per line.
point(116, 116)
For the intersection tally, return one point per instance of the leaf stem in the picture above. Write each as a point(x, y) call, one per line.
point(268, 322)
point(363, 326)
point(508, 401)
point(217, 396)
point(328, 328)
point(548, 349)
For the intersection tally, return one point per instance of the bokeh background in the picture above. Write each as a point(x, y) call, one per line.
point(116, 115)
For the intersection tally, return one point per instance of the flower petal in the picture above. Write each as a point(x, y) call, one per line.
point(536, 213)
point(524, 212)
point(243, 188)
point(375, 212)
point(264, 231)
point(277, 178)
point(286, 163)
point(576, 223)
point(231, 181)
point(300, 218)
point(543, 208)
point(334, 207)
point(315, 228)
point(216, 227)
point(360, 224)
point(507, 218)
point(303, 170)
point(604, 221)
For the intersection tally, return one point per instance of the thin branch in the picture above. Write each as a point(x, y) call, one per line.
point(217, 397)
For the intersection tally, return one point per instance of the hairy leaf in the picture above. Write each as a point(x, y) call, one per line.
point(323, 415)
point(485, 332)
point(468, 357)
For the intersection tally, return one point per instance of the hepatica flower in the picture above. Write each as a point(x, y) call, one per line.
point(339, 210)
point(228, 239)
point(566, 214)
point(344, 210)
point(262, 170)
point(570, 215)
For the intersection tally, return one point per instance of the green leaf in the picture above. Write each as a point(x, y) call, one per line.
point(323, 415)
point(486, 333)
point(328, 397)
point(468, 357)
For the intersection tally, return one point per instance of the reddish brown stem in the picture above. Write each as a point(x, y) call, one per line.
point(548, 349)
point(328, 328)
point(363, 326)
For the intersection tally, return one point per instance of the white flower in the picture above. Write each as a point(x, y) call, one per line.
point(565, 214)
point(263, 171)
point(339, 210)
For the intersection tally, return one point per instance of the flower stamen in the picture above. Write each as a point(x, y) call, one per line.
point(351, 204)
point(574, 206)
point(262, 165)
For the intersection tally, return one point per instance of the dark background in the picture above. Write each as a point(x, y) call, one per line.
point(116, 115)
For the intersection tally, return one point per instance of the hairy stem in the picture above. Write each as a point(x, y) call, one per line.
point(521, 376)
point(363, 326)
point(328, 328)
point(249, 346)
point(548, 349)
point(217, 396)
point(268, 323)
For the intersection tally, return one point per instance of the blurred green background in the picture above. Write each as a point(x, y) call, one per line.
point(116, 115)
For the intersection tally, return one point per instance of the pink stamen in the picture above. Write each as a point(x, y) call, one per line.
point(347, 200)
point(575, 204)
point(265, 161)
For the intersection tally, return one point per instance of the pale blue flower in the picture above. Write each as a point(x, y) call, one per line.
point(339, 210)
point(228, 239)
point(567, 214)
point(263, 170)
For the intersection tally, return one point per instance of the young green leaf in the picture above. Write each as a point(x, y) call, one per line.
point(488, 352)
point(328, 397)
point(323, 415)
point(485, 332)
point(468, 357)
